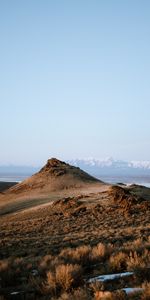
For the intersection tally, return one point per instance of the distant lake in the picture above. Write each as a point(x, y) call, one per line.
point(13, 177)
point(142, 180)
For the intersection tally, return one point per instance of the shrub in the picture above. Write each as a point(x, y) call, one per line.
point(4, 264)
point(68, 275)
point(136, 260)
point(51, 284)
point(146, 293)
point(117, 261)
point(63, 279)
point(79, 294)
point(98, 252)
point(80, 255)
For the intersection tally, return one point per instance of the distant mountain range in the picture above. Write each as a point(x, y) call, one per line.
point(111, 166)
point(93, 166)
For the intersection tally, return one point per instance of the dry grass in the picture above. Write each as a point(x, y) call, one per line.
point(99, 252)
point(146, 293)
point(68, 276)
point(55, 249)
point(118, 262)
point(78, 294)
point(79, 255)
point(138, 260)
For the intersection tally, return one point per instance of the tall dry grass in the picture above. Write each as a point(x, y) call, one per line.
point(64, 278)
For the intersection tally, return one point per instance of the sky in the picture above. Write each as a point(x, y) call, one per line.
point(74, 80)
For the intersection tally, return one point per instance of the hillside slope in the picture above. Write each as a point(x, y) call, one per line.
point(54, 176)
point(55, 180)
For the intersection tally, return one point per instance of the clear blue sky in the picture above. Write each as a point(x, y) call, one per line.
point(74, 80)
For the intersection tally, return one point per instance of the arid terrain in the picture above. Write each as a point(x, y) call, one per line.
point(62, 231)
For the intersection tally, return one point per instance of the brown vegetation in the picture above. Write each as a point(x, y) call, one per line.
point(51, 252)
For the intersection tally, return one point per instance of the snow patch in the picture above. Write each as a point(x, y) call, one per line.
point(129, 291)
point(103, 278)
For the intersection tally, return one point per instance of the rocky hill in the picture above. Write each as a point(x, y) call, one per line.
point(56, 175)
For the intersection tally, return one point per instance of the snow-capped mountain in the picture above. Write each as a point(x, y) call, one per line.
point(99, 166)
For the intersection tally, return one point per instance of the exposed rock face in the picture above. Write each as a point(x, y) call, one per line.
point(123, 196)
point(56, 168)
point(127, 199)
